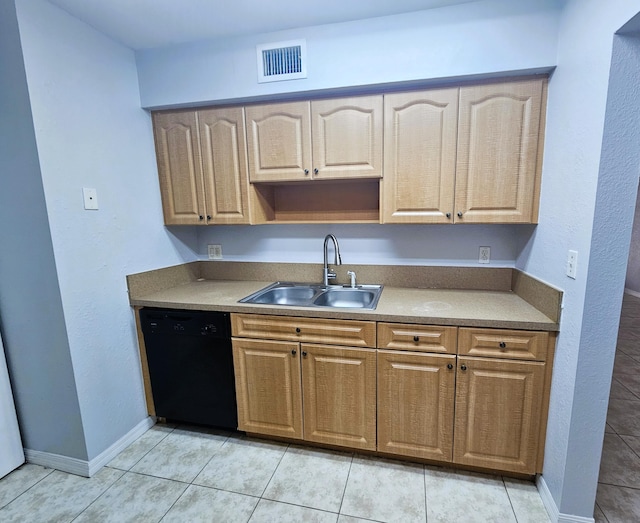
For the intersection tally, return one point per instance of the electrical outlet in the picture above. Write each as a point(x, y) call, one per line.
point(485, 255)
point(572, 264)
point(215, 252)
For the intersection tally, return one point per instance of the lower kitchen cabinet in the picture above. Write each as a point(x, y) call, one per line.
point(415, 404)
point(339, 394)
point(268, 387)
point(465, 396)
point(497, 413)
point(312, 391)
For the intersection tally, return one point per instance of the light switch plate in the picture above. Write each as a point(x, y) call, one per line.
point(90, 199)
point(572, 264)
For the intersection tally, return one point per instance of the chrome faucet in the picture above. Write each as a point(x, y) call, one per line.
point(326, 274)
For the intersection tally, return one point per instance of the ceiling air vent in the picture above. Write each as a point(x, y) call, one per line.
point(282, 61)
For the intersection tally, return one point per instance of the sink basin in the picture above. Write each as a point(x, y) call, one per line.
point(284, 296)
point(317, 295)
point(347, 297)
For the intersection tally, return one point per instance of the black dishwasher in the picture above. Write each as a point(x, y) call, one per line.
point(191, 365)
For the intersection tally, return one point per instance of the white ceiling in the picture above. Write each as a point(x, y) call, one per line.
point(142, 24)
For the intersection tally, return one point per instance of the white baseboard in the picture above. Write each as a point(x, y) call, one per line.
point(552, 509)
point(633, 293)
point(83, 467)
point(80, 467)
point(107, 455)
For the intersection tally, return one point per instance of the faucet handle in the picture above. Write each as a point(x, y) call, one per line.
point(352, 275)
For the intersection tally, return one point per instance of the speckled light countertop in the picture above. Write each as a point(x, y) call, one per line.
point(502, 308)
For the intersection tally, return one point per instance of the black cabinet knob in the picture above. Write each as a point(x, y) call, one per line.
point(416, 339)
point(448, 215)
point(298, 330)
point(306, 172)
point(201, 217)
point(503, 345)
point(450, 366)
point(293, 352)
point(315, 171)
point(463, 367)
point(459, 214)
point(304, 353)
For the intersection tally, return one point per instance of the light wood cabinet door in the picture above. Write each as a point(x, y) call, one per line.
point(498, 160)
point(339, 392)
point(347, 137)
point(179, 167)
point(279, 142)
point(224, 165)
point(420, 138)
point(268, 387)
point(497, 413)
point(415, 404)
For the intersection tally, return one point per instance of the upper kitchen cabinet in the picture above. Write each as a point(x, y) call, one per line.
point(420, 133)
point(464, 155)
point(179, 167)
point(322, 139)
point(224, 165)
point(500, 152)
point(202, 166)
point(347, 137)
point(279, 142)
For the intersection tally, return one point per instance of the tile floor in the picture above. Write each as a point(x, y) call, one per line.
point(188, 474)
point(618, 497)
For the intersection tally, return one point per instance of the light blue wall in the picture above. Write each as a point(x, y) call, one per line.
point(31, 313)
point(91, 132)
point(365, 244)
point(601, 179)
point(471, 39)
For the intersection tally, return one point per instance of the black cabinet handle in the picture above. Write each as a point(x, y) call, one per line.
point(463, 367)
point(459, 214)
point(449, 366)
point(448, 215)
point(304, 353)
point(416, 339)
point(503, 345)
point(201, 217)
point(293, 352)
point(298, 330)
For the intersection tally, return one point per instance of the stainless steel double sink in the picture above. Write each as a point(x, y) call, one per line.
point(317, 295)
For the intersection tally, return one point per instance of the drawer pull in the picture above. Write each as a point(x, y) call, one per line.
point(450, 366)
point(304, 353)
point(298, 330)
point(463, 367)
point(503, 345)
point(293, 352)
point(416, 339)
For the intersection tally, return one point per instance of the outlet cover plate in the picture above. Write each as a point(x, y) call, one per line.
point(90, 199)
point(484, 255)
point(215, 252)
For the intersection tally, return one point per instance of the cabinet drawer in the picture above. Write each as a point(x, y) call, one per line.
point(498, 343)
point(333, 332)
point(421, 338)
